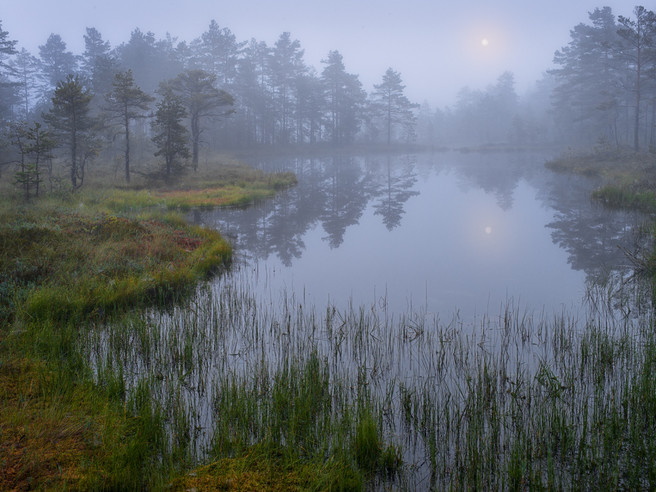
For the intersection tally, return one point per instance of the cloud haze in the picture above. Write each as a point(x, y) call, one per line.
point(435, 45)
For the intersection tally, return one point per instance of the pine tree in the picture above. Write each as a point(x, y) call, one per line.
point(217, 52)
point(170, 134)
point(25, 67)
point(344, 97)
point(126, 102)
point(391, 104)
point(639, 52)
point(8, 88)
point(198, 92)
point(97, 65)
point(73, 125)
point(34, 146)
point(286, 69)
point(56, 63)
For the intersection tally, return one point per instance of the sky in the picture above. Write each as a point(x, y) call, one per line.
point(438, 46)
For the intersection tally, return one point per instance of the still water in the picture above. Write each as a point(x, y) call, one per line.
point(450, 234)
point(496, 242)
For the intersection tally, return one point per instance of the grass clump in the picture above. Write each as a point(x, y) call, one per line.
point(629, 177)
point(300, 420)
point(228, 186)
point(640, 197)
point(63, 265)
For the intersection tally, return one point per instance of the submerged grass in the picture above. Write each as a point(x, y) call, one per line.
point(360, 398)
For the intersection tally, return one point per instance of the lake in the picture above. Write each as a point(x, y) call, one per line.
point(447, 233)
point(464, 306)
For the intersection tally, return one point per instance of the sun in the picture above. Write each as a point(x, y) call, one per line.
point(485, 42)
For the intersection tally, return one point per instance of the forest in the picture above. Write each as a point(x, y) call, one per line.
point(154, 105)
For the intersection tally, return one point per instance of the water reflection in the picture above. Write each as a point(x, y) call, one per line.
point(592, 235)
point(395, 190)
point(448, 231)
point(435, 231)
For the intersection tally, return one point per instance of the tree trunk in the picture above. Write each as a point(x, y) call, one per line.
point(195, 139)
point(127, 147)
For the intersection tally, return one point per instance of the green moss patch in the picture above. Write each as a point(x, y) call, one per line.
point(64, 265)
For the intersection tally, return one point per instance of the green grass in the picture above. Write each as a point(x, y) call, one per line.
point(64, 265)
point(356, 399)
point(627, 197)
point(629, 178)
point(234, 186)
point(69, 262)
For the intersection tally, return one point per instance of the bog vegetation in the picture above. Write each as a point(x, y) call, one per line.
point(120, 368)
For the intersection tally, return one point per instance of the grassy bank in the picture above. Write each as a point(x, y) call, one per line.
point(69, 262)
point(628, 178)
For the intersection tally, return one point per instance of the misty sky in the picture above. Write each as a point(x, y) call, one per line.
point(436, 45)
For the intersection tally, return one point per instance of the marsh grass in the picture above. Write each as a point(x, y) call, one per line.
point(627, 197)
point(628, 177)
point(228, 185)
point(71, 261)
point(365, 398)
point(65, 266)
point(224, 390)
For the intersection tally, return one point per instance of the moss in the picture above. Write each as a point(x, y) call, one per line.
point(101, 263)
point(66, 262)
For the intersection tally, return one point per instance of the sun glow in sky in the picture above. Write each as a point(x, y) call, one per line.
point(438, 47)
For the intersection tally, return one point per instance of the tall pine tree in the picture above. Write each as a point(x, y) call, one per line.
point(392, 106)
point(125, 103)
point(73, 126)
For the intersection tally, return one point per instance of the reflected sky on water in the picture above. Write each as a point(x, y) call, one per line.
point(445, 232)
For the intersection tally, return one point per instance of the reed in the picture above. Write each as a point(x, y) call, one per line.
point(511, 401)
point(224, 388)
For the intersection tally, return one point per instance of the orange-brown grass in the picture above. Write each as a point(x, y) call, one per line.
point(41, 446)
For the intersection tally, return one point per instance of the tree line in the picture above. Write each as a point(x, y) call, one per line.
point(163, 99)
point(600, 92)
point(214, 90)
point(605, 80)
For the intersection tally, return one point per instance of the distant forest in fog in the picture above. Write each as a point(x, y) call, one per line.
point(216, 92)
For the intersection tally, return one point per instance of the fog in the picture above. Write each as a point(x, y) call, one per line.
point(415, 291)
point(437, 46)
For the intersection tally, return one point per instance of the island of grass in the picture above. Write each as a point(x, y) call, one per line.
point(628, 177)
point(71, 259)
